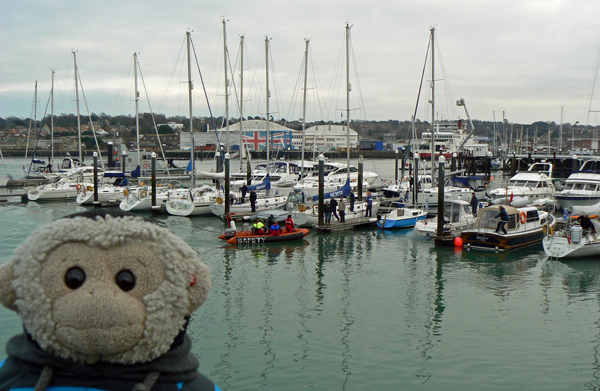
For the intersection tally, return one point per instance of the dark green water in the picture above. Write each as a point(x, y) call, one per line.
point(376, 310)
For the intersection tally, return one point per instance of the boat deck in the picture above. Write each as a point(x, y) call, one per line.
point(336, 227)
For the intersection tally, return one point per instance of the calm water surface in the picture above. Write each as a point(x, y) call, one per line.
point(377, 310)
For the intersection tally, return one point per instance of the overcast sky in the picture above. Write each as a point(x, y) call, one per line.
point(526, 58)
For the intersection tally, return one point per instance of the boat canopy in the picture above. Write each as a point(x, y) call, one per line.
point(343, 191)
point(264, 185)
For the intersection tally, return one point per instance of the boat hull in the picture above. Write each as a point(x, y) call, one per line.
point(247, 237)
point(500, 242)
point(561, 247)
point(568, 201)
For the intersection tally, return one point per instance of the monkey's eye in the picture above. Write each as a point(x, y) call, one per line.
point(75, 277)
point(125, 280)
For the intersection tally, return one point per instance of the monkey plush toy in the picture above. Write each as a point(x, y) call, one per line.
point(105, 298)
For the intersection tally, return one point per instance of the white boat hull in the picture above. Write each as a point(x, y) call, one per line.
point(558, 246)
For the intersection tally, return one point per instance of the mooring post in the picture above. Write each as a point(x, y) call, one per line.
point(415, 179)
point(574, 164)
point(360, 177)
point(321, 159)
point(109, 153)
point(124, 160)
point(153, 181)
point(453, 162)
point(248, 173)
point(440, 218)
point(96, 178)
point(396, 171)
point(218, 169)
point(403, 163)
point(227, 197)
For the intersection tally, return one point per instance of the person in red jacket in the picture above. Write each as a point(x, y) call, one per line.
point(290, 226)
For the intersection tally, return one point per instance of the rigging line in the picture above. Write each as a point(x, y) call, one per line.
point(450, 100)
point(59, 103)
point(278, 100)
point(296, 88)
point(360, 95)
point(317, 83)
point(212, 118)
point(334, 85)
point(165, 96)
point(153, 119)
point(39, 134)
point(420, 88)
point(90, 118)
point(121, 93)
point(593, 86)
point(31, 115)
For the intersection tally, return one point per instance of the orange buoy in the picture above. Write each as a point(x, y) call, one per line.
point(458, 242)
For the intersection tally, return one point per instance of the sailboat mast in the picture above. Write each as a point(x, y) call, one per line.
point(348, 87)
point(433, 104)
point(241, 100)
point(226, 82)
point(137, 116)
point(52, 119)
point(35, 115)
point(268, 93)
point(560, 136)
point(304, 107)
point(77, 104)
point(190, 88)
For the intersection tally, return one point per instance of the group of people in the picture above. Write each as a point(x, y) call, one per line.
point(273, 228)
point(333, 207)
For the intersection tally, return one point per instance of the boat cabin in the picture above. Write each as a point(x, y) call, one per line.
point(517, 217)
point(456, 210)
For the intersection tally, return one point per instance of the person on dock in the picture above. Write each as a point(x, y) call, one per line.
point(474, 204)
point(258, 228)
point(327, 212)
point(290, 226)
point(334, 206)
point(342, 210)
point(253, 198)
point(406, 196)
point(369, 210)
point(352, 199)
point(503, 220)
point(275, 229)
point(244, 190)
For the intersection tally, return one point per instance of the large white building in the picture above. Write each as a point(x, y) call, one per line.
point(324, 137)
point(319, 137)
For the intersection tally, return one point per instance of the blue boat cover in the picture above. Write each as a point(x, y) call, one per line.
point(264, 185)
point(343, 191)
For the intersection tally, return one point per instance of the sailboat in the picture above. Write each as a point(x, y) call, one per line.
point(310, 212)
point(195, 201)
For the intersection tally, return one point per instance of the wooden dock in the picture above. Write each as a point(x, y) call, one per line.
point(336, 226)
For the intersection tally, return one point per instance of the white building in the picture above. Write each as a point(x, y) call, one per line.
point(324, 137)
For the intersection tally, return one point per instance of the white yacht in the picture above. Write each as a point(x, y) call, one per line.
point(582, 188)
point(534, 183)
point(193, 202)
point(457, 217)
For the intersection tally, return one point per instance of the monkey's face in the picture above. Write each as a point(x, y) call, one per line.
point(97, 295)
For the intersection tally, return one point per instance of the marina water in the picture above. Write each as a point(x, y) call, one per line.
point(372, 309)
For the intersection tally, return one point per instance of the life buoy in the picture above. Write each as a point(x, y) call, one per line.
point(125, 192)
point(78, 187)
point(143, 193)
point(219, 200)
point(145, 165)
point(523, 217)
point(90, 188)
point(302, 208)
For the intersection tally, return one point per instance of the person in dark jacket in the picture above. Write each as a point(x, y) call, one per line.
point(334, 206)
point(503, 216)
point(474, 204)
point(369, 210)
point(253, 198)
point(585, 222)
point(327, 212)
point(270, 222)
point(244, 190)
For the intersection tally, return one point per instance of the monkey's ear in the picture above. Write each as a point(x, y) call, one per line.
point(199, 286)
point(8, 296)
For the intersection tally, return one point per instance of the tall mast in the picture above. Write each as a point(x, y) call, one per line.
point(52, 119)
point(77, 104)
point(226, 82)
point(348, 87)
point(35, 115)
point(241, 99)
point(137, 116)
point(190, 88)
point(494, 147)
point(304, 107)
point(561, 129)
point(433, 104)
point(268, 93)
